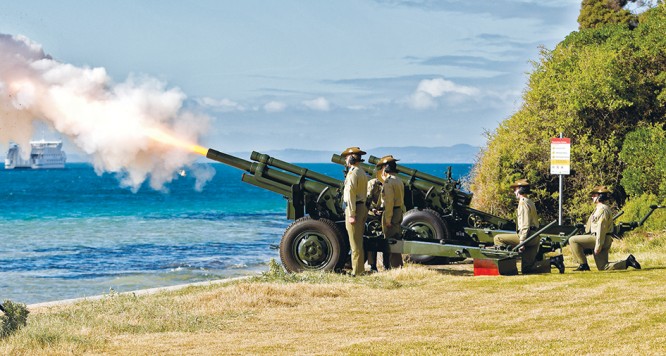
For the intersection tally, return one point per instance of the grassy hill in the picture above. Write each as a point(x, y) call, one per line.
point(415, 310)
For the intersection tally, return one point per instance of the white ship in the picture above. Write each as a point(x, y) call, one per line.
point(43, 155)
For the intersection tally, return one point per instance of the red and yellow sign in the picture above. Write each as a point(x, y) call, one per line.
point(560, 155)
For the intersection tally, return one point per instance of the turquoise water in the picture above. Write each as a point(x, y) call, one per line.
point(70, 233)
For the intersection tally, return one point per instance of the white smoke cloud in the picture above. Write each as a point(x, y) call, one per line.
point(108, 121)
point(275, 106)
point(319, 104)
point(429, 89)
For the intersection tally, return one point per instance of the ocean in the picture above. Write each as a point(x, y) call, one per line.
point(70, 233)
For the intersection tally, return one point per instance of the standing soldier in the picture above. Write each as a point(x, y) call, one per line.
point(598, 231)
point(393, 197)
point(356, 212)
point(374, 203)
point(527, 222)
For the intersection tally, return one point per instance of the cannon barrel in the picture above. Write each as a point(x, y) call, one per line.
point(274, 162)
point(428, 184)
point(439, 194)
point(430, 181)
point(267, 178)
point(229, 160)
point(413, 173)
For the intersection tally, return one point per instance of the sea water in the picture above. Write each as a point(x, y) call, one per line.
point(70, 233)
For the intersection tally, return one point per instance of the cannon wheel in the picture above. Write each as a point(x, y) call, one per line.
point(429, 224)
point(312, 245)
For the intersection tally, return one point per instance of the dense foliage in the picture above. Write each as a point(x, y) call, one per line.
point(13, 318)
point(597, 87)
point(597, 13)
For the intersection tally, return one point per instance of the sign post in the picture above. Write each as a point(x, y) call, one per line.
point(560, 163)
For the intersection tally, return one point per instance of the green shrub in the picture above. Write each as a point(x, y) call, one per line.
point(636, 208)
point(14, 318)
point(644, 153)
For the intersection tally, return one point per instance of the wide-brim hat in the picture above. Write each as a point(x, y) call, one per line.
point(520, 183)
point(351, 151)
point(386, 160)
point(600, 189)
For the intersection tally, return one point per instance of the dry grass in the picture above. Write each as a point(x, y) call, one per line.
point(412, 311)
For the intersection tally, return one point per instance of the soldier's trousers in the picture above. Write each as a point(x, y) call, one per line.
point(355, 232)
point(529, 254)
point(581, 242)
point(394, 232)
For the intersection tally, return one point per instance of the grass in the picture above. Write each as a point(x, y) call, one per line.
point(414, 311)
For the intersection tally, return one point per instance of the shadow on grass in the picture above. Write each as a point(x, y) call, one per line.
point(455, 272)
point(459, 268)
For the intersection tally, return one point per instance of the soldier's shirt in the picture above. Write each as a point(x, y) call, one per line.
point(374, 193)
point(600, 223)
point(356, 183)
point(393, 195)
point(526, 217)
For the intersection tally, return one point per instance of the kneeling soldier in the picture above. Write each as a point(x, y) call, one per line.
point(598, 237)
point(527, 222)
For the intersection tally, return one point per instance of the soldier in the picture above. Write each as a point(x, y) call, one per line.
point(599, 229)
point(375, 208)
point(527, 222)
point(393, 196)
point(356, 212)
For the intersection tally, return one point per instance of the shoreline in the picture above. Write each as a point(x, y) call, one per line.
point(147, 291)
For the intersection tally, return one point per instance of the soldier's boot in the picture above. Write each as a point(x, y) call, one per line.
point(558, 262)
point(583, 267)
point(631, 261)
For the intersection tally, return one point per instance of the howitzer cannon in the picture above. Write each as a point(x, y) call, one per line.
point(317, 239)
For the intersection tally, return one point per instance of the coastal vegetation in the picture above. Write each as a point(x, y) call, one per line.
point(604, 87)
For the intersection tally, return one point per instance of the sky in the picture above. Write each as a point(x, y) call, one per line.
point(316, 75)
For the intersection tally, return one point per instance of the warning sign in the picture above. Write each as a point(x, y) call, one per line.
point(560, 155)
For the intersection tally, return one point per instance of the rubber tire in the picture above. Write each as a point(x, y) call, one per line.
point(325, 235)
point(440, 231)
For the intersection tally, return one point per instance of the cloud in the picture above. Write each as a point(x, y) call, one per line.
point(224, 105)
point(275, 106)
point(319, 104)
point(430, 89)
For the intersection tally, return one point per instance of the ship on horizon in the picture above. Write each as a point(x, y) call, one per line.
point(43, 155)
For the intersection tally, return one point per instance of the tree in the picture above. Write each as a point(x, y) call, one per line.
point(596, 87)
point(596, 13)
